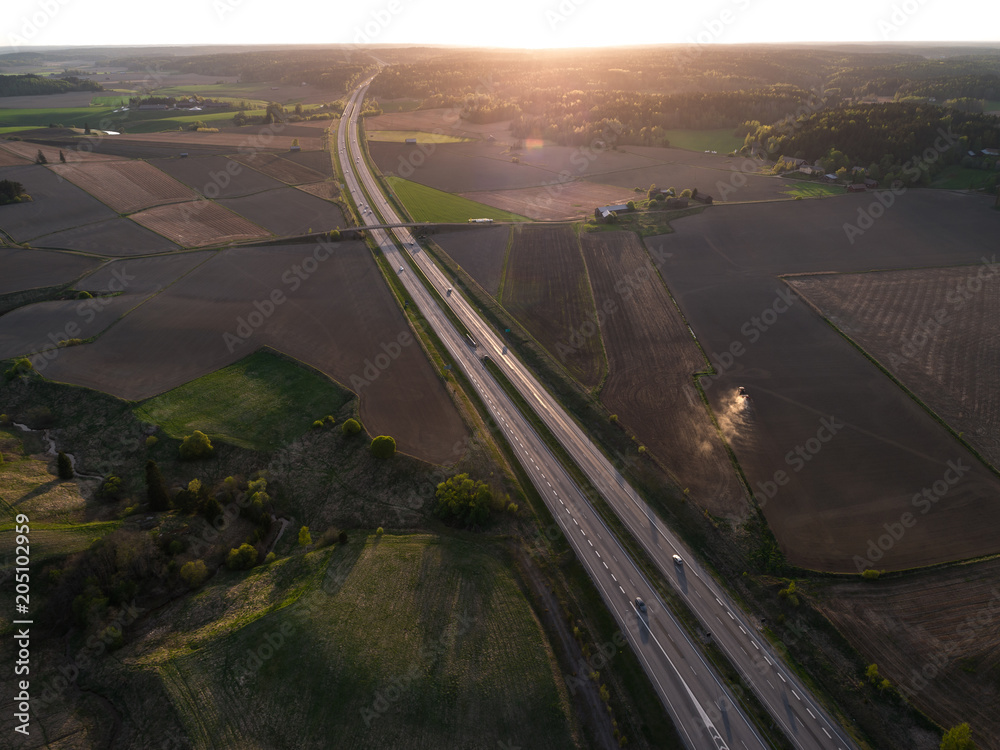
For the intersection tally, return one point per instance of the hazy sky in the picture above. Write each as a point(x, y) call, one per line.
point(516, 23)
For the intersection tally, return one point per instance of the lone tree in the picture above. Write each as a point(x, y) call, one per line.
point(195, 446)
point(194, 573)
point(40, 158)
point(64, 466)
point(351, 427)
point(156, 489)
point(958, 738)
point(463, 501)
point(383, 447)
point(305, 538)
point(243, 557)
point(10, 192)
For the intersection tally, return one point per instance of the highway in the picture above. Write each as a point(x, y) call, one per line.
point(702, 708)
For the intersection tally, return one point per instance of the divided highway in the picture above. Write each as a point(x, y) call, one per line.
point(701, 705)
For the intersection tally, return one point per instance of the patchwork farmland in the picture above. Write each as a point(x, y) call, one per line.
point(198, 223)
point(125, 186)
point(482, 252)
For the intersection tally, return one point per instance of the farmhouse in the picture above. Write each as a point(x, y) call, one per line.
point(829, 177)
point(792, 160)
point(870, 183)
point(807, 169)
point(676, 203)
point(602, 213)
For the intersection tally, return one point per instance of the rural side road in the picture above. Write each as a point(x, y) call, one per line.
point(702, 707)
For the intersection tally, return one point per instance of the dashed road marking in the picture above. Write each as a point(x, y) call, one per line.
point(826, 732)
point(782, 677)
point(796, 696)
point(621, 589)
point(605, 565)
point(742, 630)
point(809, 711)
point(730, 615)
point(590, 543)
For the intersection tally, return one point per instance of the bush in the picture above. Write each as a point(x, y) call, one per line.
point(328, 537)
point(870, 574)
point(271, 557)
point(351, 427)
point(317, 424)
point(789, 594)
point(112, 637)
point(686, 193)
point(512, 509)
point(243, 557)
point(64, 466)
point(328, 419)
point(334, 235)
point(83, 294)
point(463, 501)
point(151, 441)
point(111, 488)
point(20, 367)
point(196, 446)
point(194, 573)
point(305, 539)
point(383, 447)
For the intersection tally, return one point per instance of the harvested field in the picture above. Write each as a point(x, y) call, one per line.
point(56, 204)
point(141, 275)
point(442, 120)
point(933, 635)
point(35, 269)
point(29, 151)
point(10, 159)
point(934, 330)
point(328, 191)
point(401, 136)
point(116, 237)
point(481, 252)
point(722, 184)
point(280, 169)
point(337, 321)
point(286, 211)
point(546, 288)
point(318, 161)
point(198, 223)
point(569, 200)
point(257, 138)
point(651, 360)
point(43, 325)
point(457, 167)
point(806, 382)
point(129, 149)
point(126, 186)
point(217, 176)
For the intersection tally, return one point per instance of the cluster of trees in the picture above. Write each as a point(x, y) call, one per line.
point(30, 84)
point(12, 192)
point(462, 501)
point(890, 140)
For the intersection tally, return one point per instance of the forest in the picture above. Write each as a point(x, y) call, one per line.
point(31, 85)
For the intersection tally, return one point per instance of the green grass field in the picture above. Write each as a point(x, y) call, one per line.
point(721, 140)
point(405, 641)
point(400, 136)
point(427, 204)
point(261, 402)
point(806, 189)
point(70, 117)
point(403, 105)
point(955, 177)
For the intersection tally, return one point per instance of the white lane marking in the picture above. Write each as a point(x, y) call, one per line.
point(698, 593)
point(769, 662)
point(598, 553)
point(590, 543)
point(692, 669)
point(782, 677)
point(561, 502)
point(796, 696)
point(613, 577)
point(719, 601)
point(808, 711)
point(621, 589)
point(756, 646)
point(730, 615)
point(576, 522)
point(605, 565)
point(769, 683)
point(742, 630)
point(826, 732)
point(744, 650)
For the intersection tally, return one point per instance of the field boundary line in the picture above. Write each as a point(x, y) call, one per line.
point(885, 371)
point(596, 390)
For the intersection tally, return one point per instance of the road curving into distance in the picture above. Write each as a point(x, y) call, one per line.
point(701, 705)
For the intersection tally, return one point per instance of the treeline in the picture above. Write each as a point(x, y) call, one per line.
point(30, 84)
point(292, 67)
point(884, 138)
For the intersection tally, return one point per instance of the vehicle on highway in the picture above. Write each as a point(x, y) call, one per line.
point(678, 560)
point(448, 292)
point(640, 604)
point(471, 341)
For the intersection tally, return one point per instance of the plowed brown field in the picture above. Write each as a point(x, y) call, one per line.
point(340, 319)
point(934, 330)
point(651, 360)
point(481, 252)
point(198, 223)
point(546, 289)
point(553, 202)
point(934, 635)
point(325, 190)
point(126, 186)
point(280, 169)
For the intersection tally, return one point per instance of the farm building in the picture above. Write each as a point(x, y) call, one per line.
point(807, 169)
point(830, 177)
point(703, 198)
point(676, 203)
point(412, 141)
point(870, 183)
point(792, 160)
point(601, 213)
point(856, 188)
